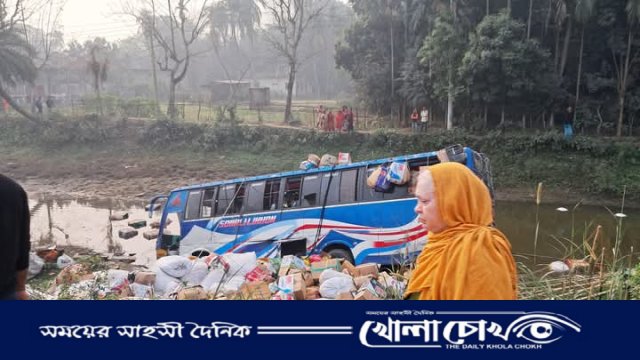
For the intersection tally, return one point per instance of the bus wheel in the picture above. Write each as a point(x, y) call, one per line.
point(339, 252)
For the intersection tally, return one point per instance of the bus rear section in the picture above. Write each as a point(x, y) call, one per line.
point(328, 210)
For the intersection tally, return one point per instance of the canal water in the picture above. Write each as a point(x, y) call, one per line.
point(561, 234)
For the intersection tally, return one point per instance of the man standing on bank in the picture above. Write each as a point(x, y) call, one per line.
point(14, 240)
point(465, 258)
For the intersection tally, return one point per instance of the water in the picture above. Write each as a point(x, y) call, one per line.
point(85, 224)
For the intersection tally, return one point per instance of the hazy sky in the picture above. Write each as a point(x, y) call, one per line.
point(86, 19)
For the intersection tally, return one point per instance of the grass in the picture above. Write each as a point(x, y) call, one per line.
point(609, 273)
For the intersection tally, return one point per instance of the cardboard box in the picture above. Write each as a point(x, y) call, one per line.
point(306, 276)
point(361, 280)
point(258, 274)
point(366, 295)
point(293, 284)
point(312, 293)
point(375, 288)
point(258, 290)
point(145, 278)
point(366, 269)
point(346, 265)
point(345, 296)
point(318, 267)
point(289, 263)
point(193, 293)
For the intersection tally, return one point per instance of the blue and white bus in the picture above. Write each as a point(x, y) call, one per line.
point(329, 209)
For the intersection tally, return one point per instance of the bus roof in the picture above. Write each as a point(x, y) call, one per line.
point(307, 172)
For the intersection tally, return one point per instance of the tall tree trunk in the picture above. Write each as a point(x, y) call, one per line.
point(488, 11)
point(524, 121)
point(565, 48)
point(99, 96)
point(171, 107)
point(529, 20)
point(509, 6)
point(450, 101)
point(622, 86)
point(16, 107)
point(486, 117)
point(152, 50)
point(575, 112)
point(292, 78)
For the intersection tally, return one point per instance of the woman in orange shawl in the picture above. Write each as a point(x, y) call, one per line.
point(465, 258)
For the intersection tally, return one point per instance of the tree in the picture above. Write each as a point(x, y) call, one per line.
point(98, 65)
point(291, 19)
point(503, 70)
point(232, 20)
point(16, 55)
point(626, 62)
point(442, 54)
point(584, 12)
point(175, 28)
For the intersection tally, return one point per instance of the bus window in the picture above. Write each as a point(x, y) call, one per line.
point(311, 190)
point(348, 183)
point(193, 205)
point(225, 195)
point(237, 206)
point(330, 189)
point(255, 197)
point(271, 195)
point(208, 203)
point(369, 194)
point(397, 192)
point(291, 197)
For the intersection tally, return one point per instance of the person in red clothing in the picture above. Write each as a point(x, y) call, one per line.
point(414, 120)
point(330, 121)
point(339, 120)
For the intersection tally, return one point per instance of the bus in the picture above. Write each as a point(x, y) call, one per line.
point(327, 210)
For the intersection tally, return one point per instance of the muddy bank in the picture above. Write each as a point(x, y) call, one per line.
point(138, 177)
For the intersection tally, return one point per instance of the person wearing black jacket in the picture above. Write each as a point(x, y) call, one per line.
point(14, 240)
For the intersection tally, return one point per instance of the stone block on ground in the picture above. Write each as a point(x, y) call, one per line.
point(117, 216)
point(127, 233)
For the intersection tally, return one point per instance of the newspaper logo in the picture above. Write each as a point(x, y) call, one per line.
point(531, 330)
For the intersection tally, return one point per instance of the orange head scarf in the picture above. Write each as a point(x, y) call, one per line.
point(470, 259)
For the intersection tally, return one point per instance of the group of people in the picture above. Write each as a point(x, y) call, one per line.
point(341, 121)
point(419, 120)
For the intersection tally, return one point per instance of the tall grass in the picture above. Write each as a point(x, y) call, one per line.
point(595, 272)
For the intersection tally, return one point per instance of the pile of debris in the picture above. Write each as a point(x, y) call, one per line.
point(230, 277)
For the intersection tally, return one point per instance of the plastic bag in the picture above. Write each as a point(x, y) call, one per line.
point(174, 265)
point(382, 183)
point(399, 173)
point(64, 261)
point(241, 264)
point(199, 270)
point(166, 285)
point(36, 263)
point(334, 286)
point(330, 274)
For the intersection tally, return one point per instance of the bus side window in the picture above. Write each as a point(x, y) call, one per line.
point(255, 196)
point(271, 195)
point(237, 206)
point(291, 198)
point(193, 205)
point(208, 203)
point(348, 186)
point(225, 195)
point(311, 190)
point(330, 188)
point(369, 194)
point(397, 192)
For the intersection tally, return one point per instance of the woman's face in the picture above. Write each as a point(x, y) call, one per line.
point(427, 207)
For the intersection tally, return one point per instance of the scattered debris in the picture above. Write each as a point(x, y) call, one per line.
point(119, 216)
point(137, 223)
point(127, 233)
